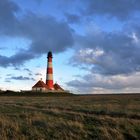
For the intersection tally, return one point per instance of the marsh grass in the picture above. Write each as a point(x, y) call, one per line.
point(99, 117)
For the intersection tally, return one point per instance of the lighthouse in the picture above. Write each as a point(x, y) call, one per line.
point(49, 72)
point(40, 86)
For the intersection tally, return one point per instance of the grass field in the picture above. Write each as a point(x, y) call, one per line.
point(101, 117)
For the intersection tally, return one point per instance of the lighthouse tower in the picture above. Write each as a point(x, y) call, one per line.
point(49, 74)
point(40, 86)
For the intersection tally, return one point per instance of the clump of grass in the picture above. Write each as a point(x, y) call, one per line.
point(8, 129)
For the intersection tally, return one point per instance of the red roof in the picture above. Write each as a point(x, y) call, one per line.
point(40, 84)
point(57, 87)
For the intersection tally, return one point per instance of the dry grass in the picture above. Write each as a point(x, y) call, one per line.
point(99, 117)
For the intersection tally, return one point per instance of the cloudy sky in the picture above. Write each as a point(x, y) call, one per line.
point(95, 44)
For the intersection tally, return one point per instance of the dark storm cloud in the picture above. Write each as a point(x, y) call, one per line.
point(16, 60)
point(108, 53)
point(111, 58)
point(44, 32)
point(122, 9)
point(8, 20)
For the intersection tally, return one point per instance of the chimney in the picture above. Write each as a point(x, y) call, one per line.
point(49, 74)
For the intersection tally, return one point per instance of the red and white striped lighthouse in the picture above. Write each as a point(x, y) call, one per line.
point(49, 75)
